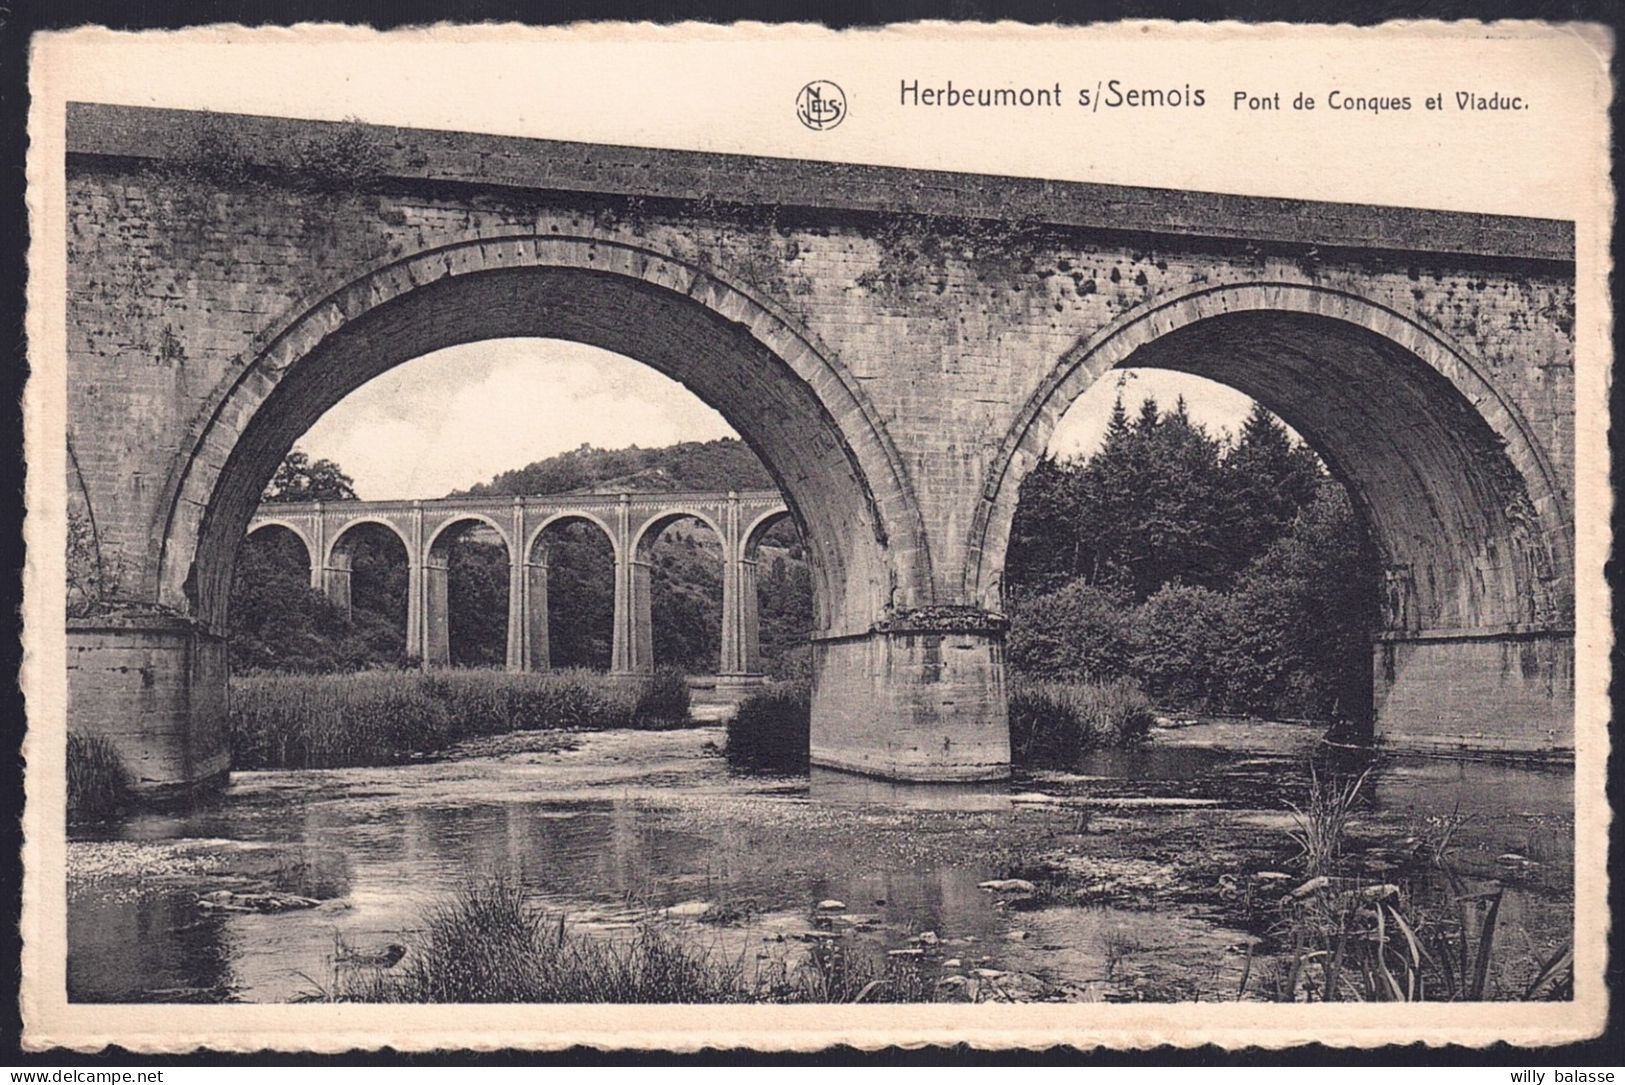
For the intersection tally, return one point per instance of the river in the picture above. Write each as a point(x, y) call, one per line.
point(1154, 856)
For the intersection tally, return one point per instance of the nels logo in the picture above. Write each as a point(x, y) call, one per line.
point(821, 105)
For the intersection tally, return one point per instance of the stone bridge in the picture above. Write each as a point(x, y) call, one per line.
point(631, 523)
point(896, 345)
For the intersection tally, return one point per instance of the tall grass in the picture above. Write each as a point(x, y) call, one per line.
point(388, 717)
point(1318, 827)
point(1053, 724)
point(1354, 940)
point(488, 943)
point(771, 730)
point(98, 784)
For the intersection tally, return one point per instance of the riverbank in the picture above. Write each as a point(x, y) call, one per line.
point(1144, 864)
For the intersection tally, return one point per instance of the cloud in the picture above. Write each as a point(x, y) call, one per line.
point(459, 416)
point(462, 415)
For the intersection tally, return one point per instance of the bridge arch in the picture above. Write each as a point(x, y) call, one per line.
point(1464, 508)
point(649, 531)
point(276, 522)
point(571, 516)
point(438, 640)
point(787, 396)
point(459, 521)
point(342, 537)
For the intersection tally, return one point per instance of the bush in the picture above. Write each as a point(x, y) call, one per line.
point(771, 730)
point(98, 784)
point(1053, 724)
point(663, 698)
point(1081, 632)
point(1190, 647)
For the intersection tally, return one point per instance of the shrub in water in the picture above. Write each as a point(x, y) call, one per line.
point(1053, 724)
point(97, 782)
point(771, 730)
point(663, 698)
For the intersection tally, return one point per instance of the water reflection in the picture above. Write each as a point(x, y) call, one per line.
point(629, 825)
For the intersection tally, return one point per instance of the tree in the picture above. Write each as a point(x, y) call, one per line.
point(1044, 535)
point(298, 479)
point(1229, 579)
point(477, 571)
point(1271, 479)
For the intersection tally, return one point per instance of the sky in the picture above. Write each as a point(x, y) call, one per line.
point(458, 416)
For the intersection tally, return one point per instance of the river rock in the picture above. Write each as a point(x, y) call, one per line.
point(1008, 885)
point(224, 900)
point(1510, 858)
point(831, 906)
point(986, 973)
point(1270, 876)
point(689, 909)
point(952, 962)
point(1379, 892)
point(927, 938)
point(1015, 936)
point(1036, 798)
point(905, 952)
point(1311, 887)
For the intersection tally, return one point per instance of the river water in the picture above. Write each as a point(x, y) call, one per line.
point(1152, 856)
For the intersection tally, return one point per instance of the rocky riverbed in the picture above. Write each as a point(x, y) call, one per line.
point(1147, 874)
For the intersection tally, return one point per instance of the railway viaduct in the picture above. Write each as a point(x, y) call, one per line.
point(630, 522)
point(896, 345)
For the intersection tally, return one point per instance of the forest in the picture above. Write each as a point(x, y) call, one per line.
point(1223, 574)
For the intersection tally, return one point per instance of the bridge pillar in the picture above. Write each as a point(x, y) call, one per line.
point(741, 641)
point(741, 631)
point(919, 697)
point(436, 612)
point(632, 645)
point(415, 587)
point(318, 553)
point(155, 687)
point(517, 658)
point(538, 652)
point(640, 632)
point(336, 579)
point(1454, 689)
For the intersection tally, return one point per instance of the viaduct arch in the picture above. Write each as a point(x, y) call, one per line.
point(896, 345)
point(630, 523)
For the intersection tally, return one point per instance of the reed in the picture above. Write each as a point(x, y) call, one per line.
point(389, 717)
point(1426, 938)
point(1053, 724)
point(98, 785)
point(488, 943)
